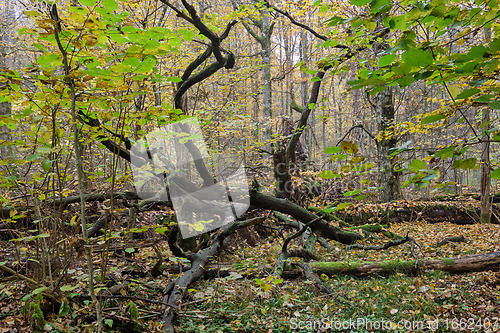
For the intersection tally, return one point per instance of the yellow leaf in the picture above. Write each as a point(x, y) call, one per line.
point(31, 13)
point(102, 84)
point(90, 40)
point(73, 220)
point(77, 18)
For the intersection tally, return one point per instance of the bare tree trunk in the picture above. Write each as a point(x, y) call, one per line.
point(263, 37)
point(485, 170)
point(388, 178)
point(485, 159)
point(5, 107)
point(265, 42)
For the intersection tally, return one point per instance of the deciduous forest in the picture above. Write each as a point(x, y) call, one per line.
point(337, 161)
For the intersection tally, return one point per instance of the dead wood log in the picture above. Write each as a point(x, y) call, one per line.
point(474, 263)
point(176, 289)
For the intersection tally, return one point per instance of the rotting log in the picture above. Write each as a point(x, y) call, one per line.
point(473, 263)
point(320, 227)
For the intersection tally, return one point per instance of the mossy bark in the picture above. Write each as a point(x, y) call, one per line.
point(474, 263)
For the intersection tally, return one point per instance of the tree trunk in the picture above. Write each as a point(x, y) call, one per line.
point(5, 107)
point(388, 178)
point(485, 171)
point(485, 159)
point(265, 42)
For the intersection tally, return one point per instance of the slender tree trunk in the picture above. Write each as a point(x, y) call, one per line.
point(5, 107)
point(485, 171)
point(265, 42)
point(485, 158)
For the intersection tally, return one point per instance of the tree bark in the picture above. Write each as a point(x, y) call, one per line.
point(474, 263)
point(485, 171)
point(5, 107)
point(485, 158)
point(388, 178)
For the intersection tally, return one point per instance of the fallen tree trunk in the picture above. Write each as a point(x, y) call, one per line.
point(474, 263)
point(257, 200)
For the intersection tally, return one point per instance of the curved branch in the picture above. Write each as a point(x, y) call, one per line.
point(303, 26)
point(313, 99)
point(352, 128)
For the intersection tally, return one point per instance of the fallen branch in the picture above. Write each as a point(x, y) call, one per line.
point(176, 289)
point(459, 239)
point(280, 262)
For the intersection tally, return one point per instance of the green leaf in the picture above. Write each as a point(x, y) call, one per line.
point(418, 58)
point(88, 3)
point(453, 91)
point(380, 6)
point(129, 250)
point(38, 290)
point(64, 309)
point(43, 150)
point(110, 5)
point(328, 174)
point(466, 164)
point(417, 165)
point(468, 93)
point(32, 157)
point(495, 105)
point(68, 287)
point(46, 165)
point(161, 230)
point(187, 34)
point(108, 322)
point(46, 59)
point(174, 79)
point(495, 174)
point(484, 98)
point(332, 150)
point(360, 2)
point(432, 119)
point(343, 205)
point(445, 152)
point(351, 193)
point(132, 62)
point(387, 60)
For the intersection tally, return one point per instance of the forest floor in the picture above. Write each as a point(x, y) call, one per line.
point(249, 299)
